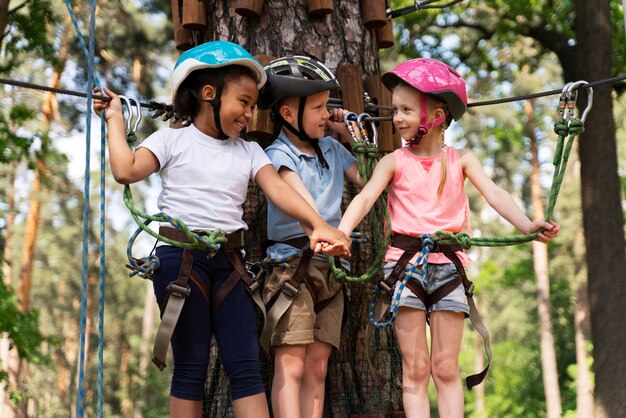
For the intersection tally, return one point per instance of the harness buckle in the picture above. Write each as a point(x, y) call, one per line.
point(253, 287)
point(469, 292)
point(253, 269)
point(290, 291)
point(179, 291)
point(384, 286)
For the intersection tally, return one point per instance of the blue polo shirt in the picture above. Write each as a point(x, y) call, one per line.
point(325, 185)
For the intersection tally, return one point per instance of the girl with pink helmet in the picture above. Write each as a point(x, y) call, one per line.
point(426, 194)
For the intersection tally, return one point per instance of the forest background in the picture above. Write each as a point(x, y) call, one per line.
point(539, 318)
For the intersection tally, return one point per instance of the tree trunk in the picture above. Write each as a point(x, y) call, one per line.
point(602, 212)
point(540, 265)
point(149, 309)
point(584, 382)
point(7, 273)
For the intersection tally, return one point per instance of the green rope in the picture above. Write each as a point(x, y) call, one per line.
point(204, 240)
point(366, 160)
point(367, 156)
point(200, 241)
point(561, 157)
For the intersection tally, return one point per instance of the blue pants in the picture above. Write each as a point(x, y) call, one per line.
point(234, 325)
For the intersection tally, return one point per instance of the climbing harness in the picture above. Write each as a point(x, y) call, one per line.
point(280, 301)
point(179, 235)
point(288, 291)
point(385, 288)
point(178, 291)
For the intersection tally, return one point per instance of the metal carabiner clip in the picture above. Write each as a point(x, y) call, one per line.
point(348, 118)
point(131, 114)
point(139, 115)
point(364, 132)
point(573, 96)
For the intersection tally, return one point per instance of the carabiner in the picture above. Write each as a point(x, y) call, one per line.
point(348, 118)
point(131, 114)
point(573, 94)
point(139, 115)
point(563, 103)
point(364, 132)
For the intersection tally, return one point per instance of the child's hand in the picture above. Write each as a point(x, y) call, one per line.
point(334, 250)
point(551, 230)
point(112, 108)
point(335, 241)
point(337, 125)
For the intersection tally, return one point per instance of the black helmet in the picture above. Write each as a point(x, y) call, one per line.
point(296, 76)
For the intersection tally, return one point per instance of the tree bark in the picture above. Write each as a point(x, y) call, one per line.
point(7, 273)
point(540, 265)
point(149, 308)
point(602, 212)
point(584, 382)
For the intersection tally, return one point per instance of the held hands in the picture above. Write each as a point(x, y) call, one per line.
point(330, 241)
point(550, 230)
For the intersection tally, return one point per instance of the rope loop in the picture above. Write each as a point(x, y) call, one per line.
point(576, 127)
point(561, 129)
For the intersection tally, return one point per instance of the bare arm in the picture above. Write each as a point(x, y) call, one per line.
point(127, 166)
point(289, 201)
point(353, 175)
point(293, 179)
point(502, 201)
point(363, 202)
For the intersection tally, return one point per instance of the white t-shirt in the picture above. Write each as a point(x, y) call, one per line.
point(205, 180)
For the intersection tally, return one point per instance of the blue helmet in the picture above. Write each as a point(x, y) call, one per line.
point(215, 54)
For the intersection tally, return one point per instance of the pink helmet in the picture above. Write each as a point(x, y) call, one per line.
point(432, 77)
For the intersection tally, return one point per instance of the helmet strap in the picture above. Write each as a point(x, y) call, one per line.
point(216, 104)
point(302, 135)
point(423, 129)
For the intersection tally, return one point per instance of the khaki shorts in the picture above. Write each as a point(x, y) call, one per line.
point(300, 324)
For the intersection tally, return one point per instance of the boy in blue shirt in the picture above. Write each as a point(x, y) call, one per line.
point(305, 305)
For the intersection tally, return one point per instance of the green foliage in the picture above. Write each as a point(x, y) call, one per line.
point(14, 146)
point(26, 33)
point(22, 328)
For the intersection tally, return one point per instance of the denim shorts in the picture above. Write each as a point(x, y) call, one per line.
point(436, 276)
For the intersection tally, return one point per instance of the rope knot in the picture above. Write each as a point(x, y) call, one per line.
point(561, 129)
point(576, 127)
point(359, 148)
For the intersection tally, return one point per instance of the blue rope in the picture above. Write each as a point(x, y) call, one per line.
point(421, 263)
point(91, 80)
point(92, 47)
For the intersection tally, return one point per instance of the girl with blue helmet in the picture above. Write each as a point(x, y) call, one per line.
point(205, 170)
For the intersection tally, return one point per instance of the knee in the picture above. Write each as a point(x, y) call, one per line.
point(417, 370)
point(316, 371)
point(445, 370)
point(291, 368)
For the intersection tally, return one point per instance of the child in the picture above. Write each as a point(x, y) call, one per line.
point(425, 180)
point(305, 306)
point(205, 169)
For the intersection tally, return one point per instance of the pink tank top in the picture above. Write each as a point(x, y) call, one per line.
point(414, 207)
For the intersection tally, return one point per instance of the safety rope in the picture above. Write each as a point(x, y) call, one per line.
point(91, 80)
point(210, 241)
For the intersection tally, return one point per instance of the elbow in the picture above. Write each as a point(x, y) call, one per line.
point(122, 178)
